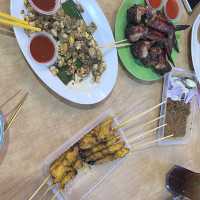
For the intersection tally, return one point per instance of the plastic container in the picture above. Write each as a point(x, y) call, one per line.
point(179, 7)
point(156, 7)
point(55, 56)
point(1, 130)
point(177, 72)
point(89, 178)
point(44, 12)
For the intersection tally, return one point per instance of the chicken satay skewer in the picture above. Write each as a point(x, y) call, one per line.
point(116, 139)
point(116, 146)
point(124, 123)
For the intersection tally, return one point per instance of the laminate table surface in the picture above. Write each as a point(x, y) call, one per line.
point(46, 122)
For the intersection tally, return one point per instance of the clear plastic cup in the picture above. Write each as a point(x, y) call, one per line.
point(50, 37)
point(44, 12)
point(1, 129)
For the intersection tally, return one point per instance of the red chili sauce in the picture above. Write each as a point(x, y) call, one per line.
point(155, 3)
point(46, 5)
point(42, 49)
point(172, 9)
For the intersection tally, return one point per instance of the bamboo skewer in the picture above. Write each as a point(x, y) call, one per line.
point(147, 133)
point(126, 122)
point(150, 143)
point(21, 25)
point(55, 195)
point(150, 122)
point(9, 17)
point(116, 46)
point(39, 188)
point(13, 117)
point(8, 100)
point(46, 192)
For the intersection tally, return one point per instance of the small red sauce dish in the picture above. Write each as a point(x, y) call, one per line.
point(172, 9)
point(43, 48)
point(46, 7)
point(155, 4)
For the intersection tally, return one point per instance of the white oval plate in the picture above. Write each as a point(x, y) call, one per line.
point(87, 92)
point(195, 47)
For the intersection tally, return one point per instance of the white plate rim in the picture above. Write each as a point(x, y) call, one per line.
point(92, 93)
point(195, 47)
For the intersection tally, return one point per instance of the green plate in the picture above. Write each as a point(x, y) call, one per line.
point(133, 65)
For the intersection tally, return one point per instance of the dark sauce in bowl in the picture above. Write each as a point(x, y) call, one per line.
point(183, 182)
point(45, 5)
point(42, 49)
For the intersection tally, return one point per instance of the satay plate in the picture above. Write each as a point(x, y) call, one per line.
point(132, 65)
point(90, 177)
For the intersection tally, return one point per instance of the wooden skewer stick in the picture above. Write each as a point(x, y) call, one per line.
point(126, 122)
point(150, 122)
point(115, 43)
point(116, 46)
point(46, 192)
point(13, 117)
point(40, 187)
point(55, 195)
point(140, 147)
point(11, 98)
point(145, 134)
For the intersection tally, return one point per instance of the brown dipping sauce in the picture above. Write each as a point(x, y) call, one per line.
point(42, 49)
point(46, 5)
point(176, 118)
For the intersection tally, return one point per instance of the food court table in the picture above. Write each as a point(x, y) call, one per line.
point(46, 122)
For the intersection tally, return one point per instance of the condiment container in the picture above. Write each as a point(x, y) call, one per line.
point(155, 4)
point(45, 7)
point(173, 9)
point(91, 177)
point(175, 75)
point(1, 129)
point(43, 49)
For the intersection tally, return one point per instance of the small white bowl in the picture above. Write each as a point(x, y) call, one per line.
point(51, 12)
point(149, 5)
point(54, 58)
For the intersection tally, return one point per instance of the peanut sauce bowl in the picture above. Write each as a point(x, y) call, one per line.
point(86, 92)
point(42, 49)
